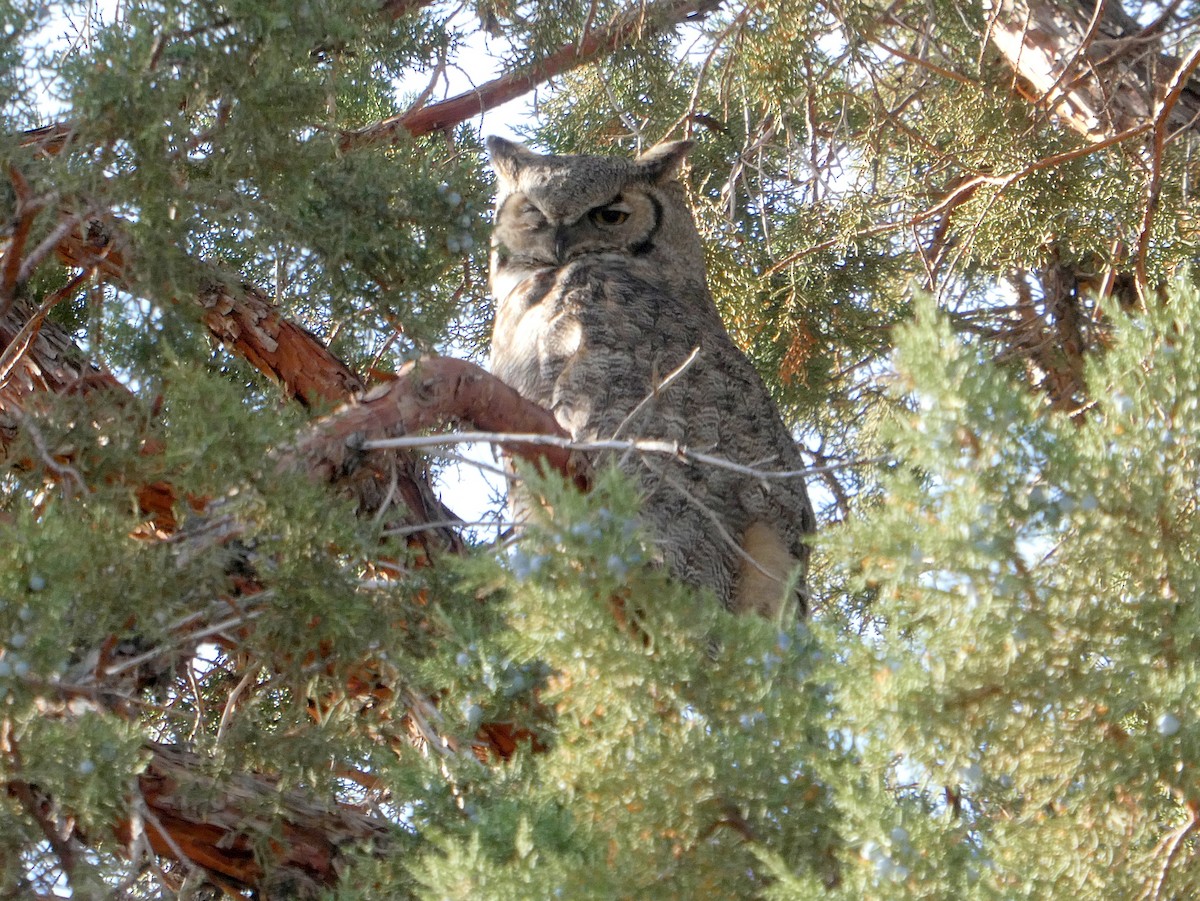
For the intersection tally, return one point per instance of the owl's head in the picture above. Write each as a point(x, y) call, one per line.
point(552, 210)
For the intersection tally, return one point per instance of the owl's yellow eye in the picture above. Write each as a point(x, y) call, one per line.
point(608, 215)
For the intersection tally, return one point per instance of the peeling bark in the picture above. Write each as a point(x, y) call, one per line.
point(218, 824)
point(181, 810)
point(1090, 63)
point(51, 363)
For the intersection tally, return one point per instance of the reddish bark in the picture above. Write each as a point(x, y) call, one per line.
point(238, 315)
point(221, 834)
point(218, 824)
point(641, 19)
point(398, 8)
point(428, 393)
point(51, 362)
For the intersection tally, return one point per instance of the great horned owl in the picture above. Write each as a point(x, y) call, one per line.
point(598, 275)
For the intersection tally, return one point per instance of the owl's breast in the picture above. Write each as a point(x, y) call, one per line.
point(534, 335)
point(590, 337)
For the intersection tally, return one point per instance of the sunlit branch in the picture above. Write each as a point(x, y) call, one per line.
point(644, 446)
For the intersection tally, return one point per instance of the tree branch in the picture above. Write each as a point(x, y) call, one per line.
point(237, 314)
point(221, 834)
point(625, 445)
point(641, 19)
point(425, 394)
point(1096, 72)
point(1162, 119)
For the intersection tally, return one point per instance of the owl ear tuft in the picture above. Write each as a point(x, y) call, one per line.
point(508, 157)
point(662, 161)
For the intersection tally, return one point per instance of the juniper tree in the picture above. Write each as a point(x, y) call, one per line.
point(247, 645)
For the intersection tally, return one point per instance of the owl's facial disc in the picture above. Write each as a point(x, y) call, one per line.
point(538, 231)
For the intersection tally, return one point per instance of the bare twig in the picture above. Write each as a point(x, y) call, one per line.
point(232, 700)
point(1169, 848)
point(645, 446)
point(64, 472)
point(717, 524)
point(402, 531)
point(143, 812)
point(197, 636)
point(49, 244)
point(964, 191)
point(657, 390)
point(925, 64)
point(1161, 122)
point(1088, 36)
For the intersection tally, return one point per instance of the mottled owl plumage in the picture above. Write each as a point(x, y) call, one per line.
point(599, 280)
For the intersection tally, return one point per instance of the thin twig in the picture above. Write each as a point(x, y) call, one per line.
point(926, 64)
point(717, 524)
point(657, 390)
point(1160, 124)
point(964, 190)
point(1088, 36)
point(1171, 844)
point(142, 809)
point(49, 244)
point(401, 531)
point(439, 72)
point(646, 446)
point(1151, 30)
point(231, 701)
point(638, 21)
point(214, 629)
point(507, 474)
point(63, 471)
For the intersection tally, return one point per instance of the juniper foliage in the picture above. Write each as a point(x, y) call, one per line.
point(978, 332)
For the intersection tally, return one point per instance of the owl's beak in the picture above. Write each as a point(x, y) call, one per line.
point(560, 244)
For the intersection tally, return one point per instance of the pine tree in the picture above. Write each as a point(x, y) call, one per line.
point(247, 648)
